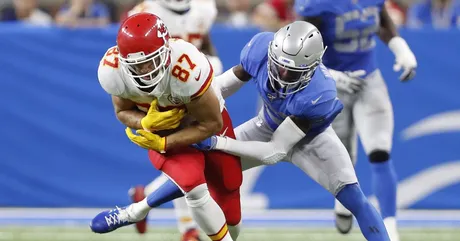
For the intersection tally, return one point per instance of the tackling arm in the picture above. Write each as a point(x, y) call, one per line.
point(127, 112)
point(206, 110)
point(289, 132)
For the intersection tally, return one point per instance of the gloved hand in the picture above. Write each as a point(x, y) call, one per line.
point(404, 58)
point(350, 82)
point(165, 120)
point(147, 140)
point(207, 144)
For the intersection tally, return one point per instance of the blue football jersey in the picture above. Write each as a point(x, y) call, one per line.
point(349, 29)
point(317, 103)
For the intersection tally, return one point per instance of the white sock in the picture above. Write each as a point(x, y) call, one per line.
point(185, 221)
point(138, 211)
point(392, 228)
point(207, 213)
point(235, 230)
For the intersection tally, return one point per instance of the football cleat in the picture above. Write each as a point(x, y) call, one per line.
point(137, 195)
point(191, 235)
point(343, 223)
point(110, 220)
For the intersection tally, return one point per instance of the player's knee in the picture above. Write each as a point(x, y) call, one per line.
point(379, 156)
point(198, 196)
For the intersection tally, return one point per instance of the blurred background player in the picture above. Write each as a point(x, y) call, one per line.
point(185, 20)
point(349, 29)
point(147, 67)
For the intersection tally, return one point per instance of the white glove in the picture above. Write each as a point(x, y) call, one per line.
point(405, 59)
point(350, 82)
point(216, 64)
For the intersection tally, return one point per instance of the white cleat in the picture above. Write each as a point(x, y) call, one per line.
point(392, 228)
point(343, 218)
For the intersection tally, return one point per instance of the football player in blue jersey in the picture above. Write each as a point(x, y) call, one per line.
point(300, 103)
point(349, 29)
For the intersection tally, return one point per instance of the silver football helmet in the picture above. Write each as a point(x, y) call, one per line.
point(293, 55)
point(176, 5)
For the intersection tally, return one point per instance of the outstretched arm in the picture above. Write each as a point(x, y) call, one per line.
point(289, 132)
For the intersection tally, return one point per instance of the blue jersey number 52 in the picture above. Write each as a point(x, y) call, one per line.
point(350, 36)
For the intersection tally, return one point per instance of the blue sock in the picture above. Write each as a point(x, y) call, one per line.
point(384, 183)
point(368, 218)
point(168, 191)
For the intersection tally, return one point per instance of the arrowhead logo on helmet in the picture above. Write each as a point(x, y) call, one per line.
point(162, 30)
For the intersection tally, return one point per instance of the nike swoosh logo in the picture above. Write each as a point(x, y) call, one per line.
point(315, 101)
point(198, 77)
point(223, 133)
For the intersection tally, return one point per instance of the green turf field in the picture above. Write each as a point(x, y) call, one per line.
point(249, 234)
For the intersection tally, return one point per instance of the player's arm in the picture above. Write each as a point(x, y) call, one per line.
point(289, 132)
point(387, 29)
point(127, 112)
point(405, 59)
point(231, 80)
point(206, 111)
point(311, 121)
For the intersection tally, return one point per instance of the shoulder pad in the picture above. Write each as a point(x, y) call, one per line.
point(109, 74)
point(191, 72)
point(255, 53)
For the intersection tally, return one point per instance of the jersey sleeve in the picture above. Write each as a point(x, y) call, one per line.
point(192, 73)
point(109, 75)
point(313, 8)
point(323, 113)
point(321, 105)
point(255, 53)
